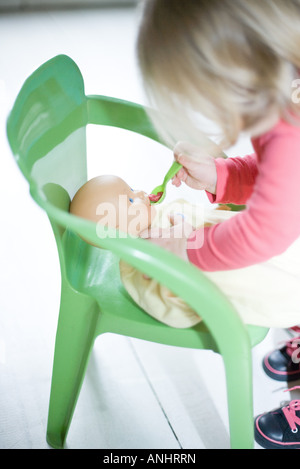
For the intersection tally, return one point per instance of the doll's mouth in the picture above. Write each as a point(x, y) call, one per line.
point(155, 197)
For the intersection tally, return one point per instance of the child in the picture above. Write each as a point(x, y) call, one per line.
point(236, 63)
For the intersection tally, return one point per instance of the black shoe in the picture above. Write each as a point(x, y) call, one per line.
point(279, 429)
point(283, 364)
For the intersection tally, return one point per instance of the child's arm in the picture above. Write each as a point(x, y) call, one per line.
point(235, 180)
point(225, 180)
point(271, 222)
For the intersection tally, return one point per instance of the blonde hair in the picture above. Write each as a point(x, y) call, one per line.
point(233, 61)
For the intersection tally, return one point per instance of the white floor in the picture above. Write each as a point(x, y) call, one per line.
point(136, 394)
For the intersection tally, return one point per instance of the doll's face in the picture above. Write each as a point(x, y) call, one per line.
point(110, 201)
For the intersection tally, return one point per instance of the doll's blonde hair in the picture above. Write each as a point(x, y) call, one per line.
point(233, 61)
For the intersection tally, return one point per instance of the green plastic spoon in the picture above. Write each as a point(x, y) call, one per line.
point(159, 193)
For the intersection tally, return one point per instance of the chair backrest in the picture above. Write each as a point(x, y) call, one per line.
point(46, 132)
point(47, 126)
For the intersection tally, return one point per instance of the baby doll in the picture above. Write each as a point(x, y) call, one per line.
point(263, 294)
point(109, 200)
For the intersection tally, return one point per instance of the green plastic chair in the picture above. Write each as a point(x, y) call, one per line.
point(46, 130)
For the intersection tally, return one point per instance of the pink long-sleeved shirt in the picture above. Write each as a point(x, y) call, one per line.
point(268, 182)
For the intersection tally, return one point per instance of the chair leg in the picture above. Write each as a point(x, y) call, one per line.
point(240, 401)
point(74, 341)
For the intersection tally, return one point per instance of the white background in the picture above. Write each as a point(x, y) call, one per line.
point(136, 394)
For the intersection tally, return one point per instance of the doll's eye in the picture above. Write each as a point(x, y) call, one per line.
point(131, 200)
point(131, 189)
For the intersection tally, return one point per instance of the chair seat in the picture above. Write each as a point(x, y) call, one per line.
point(99, 277)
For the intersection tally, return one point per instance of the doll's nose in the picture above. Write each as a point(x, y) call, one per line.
point(143, 196)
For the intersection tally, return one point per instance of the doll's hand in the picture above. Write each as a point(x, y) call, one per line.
point(173, 239)
point(198, 168)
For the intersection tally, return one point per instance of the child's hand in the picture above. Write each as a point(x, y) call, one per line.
point(199, 170)
point(173, 239)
